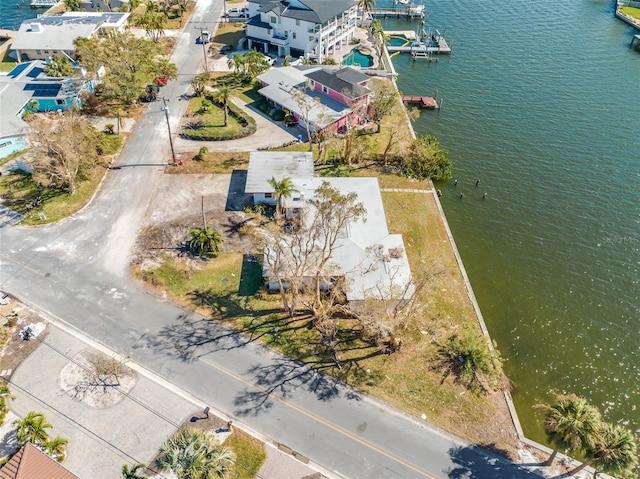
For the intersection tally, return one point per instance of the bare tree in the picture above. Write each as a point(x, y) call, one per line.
point(333, 212)
point(306, 104)
point(63, 149)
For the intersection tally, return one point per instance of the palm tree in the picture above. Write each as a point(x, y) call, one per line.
point(367, 7)
point(222, 95)
point(192, 454)
point(56, 447)
point(133, 472)
point(282, 190)
point(205, 241)
point(238, 63)
point(571, 424)
point(199, 83)
point(256, 63)
point(33, 428)
point(615, 451)
point(5, 393)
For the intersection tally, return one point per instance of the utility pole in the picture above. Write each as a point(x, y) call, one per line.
point(204, 48)
point(165, 109)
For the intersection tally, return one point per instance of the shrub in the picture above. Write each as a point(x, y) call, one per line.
point(109, 129)
point(201, 154)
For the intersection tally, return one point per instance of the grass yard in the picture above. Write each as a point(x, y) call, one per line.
point(408, 379)
point(229, 33)
point(213, 162)
point(204, 119)
point(250, 454)
point(22, 194)
point(631, 11)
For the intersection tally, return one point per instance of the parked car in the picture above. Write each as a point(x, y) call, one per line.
point(205, 37)
point(238, 12)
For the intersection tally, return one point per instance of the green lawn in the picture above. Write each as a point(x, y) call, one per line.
point(204, 120)
point(408, 379)
point(631, 11)
point(250, 454)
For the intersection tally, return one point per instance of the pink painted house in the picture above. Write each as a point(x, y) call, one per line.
point(337, 95)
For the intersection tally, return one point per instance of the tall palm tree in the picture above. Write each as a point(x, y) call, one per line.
point(571, 424)
point(206, 241)
point(222, 95)
point(192, 454)
point(133, 472)
point(282, 190)
point(367, 7)
point(56, 447)
point(615, 451)
point(33, 428)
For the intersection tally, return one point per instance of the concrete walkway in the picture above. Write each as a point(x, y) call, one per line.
point(128, 432)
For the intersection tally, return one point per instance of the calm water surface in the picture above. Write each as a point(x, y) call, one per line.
point(11, 16)
point(542, 105)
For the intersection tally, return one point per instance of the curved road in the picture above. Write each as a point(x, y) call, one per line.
point(77, 272)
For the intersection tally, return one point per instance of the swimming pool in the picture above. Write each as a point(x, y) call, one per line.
point(354, 57)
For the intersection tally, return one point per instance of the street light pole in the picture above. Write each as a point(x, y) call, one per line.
point(204, 49)
point(165, 109)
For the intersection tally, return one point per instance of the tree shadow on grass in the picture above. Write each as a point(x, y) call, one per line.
point(478, 462)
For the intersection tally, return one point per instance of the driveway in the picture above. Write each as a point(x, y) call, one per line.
point(268, 134)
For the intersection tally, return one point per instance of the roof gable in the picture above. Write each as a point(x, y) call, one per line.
point(344, 81)
point(30, 463)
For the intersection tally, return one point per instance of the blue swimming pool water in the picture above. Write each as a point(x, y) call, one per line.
point(357, 58)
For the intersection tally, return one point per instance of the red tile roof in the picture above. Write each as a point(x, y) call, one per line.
point(31, 463)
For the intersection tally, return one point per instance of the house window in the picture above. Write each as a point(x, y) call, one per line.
point(6, 143)
point(297, 22)
point(311, 38)
point(55, 52)
point(38, 52)
point(325, 89)
point(313, 83)
point(274, 19)
point(46, 52)
point(268, 195)
point(60, 102)
point(293, 34)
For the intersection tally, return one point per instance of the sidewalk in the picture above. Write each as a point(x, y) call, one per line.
point(102, 440)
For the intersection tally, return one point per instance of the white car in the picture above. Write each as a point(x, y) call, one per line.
point(238, 12)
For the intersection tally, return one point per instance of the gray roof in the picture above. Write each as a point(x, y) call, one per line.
point(57, 32)
point(264, 165)
point(345, 81)
point(315, 11)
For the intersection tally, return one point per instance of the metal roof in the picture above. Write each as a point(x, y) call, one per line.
point(314, 11)
point(264, 165)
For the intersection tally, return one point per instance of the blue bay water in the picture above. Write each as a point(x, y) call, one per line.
point(541, 103)
point(11, 16)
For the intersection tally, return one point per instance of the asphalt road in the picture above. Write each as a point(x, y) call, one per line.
point(77, 272)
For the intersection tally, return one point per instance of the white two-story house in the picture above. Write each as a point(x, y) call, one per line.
point(310, 28)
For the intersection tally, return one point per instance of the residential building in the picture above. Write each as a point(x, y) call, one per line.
point(314, 29)
point(333, 95)
point(372, 261)
point(31, 463)
point(28, 87)
point(49, 35)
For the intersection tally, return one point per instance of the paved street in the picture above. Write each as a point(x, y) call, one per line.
point(77, 272)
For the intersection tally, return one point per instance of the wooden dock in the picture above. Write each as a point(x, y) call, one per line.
point(432, 43)
point(422, 101)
